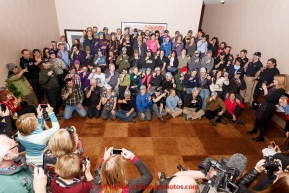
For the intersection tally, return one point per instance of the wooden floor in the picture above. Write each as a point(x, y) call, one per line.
point(164, 146)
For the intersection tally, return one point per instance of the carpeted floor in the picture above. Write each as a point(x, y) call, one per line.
point(164, 146)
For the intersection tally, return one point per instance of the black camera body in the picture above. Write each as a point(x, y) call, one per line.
point(69, 129)
point(270, 164)
point(83, 160)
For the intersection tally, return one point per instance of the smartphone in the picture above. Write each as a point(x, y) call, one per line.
point(43, 106)
point(3, 107)
point(273, 144)
point(116, 151)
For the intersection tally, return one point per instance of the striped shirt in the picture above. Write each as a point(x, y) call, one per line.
point(37, 141)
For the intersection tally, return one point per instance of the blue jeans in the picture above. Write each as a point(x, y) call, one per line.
point(69, 110)
point(93, 112)
point(202, 55)
point(156, 110)
point(189, 90)
point(172, 69)
point(148, 115)
point(121, 114)
point(106, 113)
point(204, 93)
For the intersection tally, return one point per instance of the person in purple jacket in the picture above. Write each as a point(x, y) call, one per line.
point(178, 45)
point(76, 54)
point(85, 82)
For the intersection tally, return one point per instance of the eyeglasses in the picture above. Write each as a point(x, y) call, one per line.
point(16, 145)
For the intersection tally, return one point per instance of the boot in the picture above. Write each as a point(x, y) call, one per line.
point(161, 119)
point(169, 116)
point(223, 121)
point(213, 121)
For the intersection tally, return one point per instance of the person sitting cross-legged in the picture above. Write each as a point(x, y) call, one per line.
point(157, 107)
point(143, 104)
point(193, 105)
point(234, 107)
point(127, 108)
point(109, 100)
point(215, 109)
point(172, 103)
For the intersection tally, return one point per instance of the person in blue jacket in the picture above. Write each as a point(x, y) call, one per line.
point(167, 45)
point(237, 67)
point(143, 104)
point(90, 41)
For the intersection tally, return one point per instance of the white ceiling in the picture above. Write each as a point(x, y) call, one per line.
point(215, 1)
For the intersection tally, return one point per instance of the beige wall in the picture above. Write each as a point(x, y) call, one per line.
point(25, 24)
point(256, 25)
point(75, 14)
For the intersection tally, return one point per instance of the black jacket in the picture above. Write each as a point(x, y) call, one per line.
point(150, 63)
point(32, 68)
point(234, 86)
point(246, 180)
point(175, 63)
point(134, 62)
point(188, 102)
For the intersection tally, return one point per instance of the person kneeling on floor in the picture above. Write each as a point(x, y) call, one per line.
point(127, 108)
point(215, 109)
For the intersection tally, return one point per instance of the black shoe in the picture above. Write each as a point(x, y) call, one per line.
point(223, 121)
point(240, 122)
point(161, 120)
point(59, 115)
point(213, 121)
point(231, 120)
point(252, 132)
point(169, 116)
point(258, 139)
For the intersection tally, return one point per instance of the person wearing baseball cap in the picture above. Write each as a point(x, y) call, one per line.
point(195, 61)
point(158, 104)
point(134, 36)
point(143, 104)
point(123, 60)
point(166, 45)
point(191, 80)
point(169, 83)
point(127, 108)
point(106, 34)
point(100, 60)
point(165, 34)
point(179, 81)
point(109, 100)
point(59, 68)
point(215, 109)
point(74, 76)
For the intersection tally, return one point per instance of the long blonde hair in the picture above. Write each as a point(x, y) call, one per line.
point(282, 81)
point(112, 174)
point(60, 143)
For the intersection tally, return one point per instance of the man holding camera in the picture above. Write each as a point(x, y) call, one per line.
point(127, 108)
point(215, 109)
point(73, 95)
point(49, 80)
point(14, 176)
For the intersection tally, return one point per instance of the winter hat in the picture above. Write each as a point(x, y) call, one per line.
point(10, 66)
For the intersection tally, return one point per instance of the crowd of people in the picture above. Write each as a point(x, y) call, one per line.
point(120, 77)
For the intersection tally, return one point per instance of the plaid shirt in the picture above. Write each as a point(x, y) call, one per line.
point(75, 98)
point(76, 79)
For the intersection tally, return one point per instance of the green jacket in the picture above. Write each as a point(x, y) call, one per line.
point(45, 79)
point(22, 85)
point(180, 85)
point(19, 181)
point(124, 63)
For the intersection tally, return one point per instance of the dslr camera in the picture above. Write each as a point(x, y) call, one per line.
point(69, 129)
point(83, 160)
point(270, 164)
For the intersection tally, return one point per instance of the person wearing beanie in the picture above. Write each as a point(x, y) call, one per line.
point(195, 61)
point(127, 107)
point(208, 61)
point(87, 60)
point(101, 43)
point(143, 104)
point(23, 88)
point(204, 85)
point(180, 84)
point(191, 80)
point(123, 60)
point(215, 109)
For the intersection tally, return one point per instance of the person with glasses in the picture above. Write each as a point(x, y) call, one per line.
point(32, 136)
point(14, 177)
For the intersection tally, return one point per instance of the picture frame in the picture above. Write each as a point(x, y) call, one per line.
point(142, 26)
point(72, 34)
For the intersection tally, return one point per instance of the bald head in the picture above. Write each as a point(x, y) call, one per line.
point(183, 184)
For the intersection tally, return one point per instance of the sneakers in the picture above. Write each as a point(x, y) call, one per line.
point(213, 121)
point(200, 117)
point(161, 120)
point(187, 117)
point(223, 121)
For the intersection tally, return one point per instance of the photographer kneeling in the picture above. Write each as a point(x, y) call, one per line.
point(281, 184)
point(113, 177)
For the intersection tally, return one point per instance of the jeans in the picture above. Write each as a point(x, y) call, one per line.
point(69, 110)
point(189, 90)
point(204, 93)
point(53, 97)
point(156, 110)
point(93, 112)
point(121, 114)
point(181, 94)
point(148, 115)
point(172, 69)
point(106, 113)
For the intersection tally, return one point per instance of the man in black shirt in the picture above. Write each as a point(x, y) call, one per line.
point(219, 63)
point(127, 108)
point(93, 96)
point(157, 79)
point(243, 56)
point(266, 75)
point(158, 106)
point(33, 72)
point(193, 105)
point(251, 69)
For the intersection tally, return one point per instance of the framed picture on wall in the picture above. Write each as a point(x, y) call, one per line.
point(142, 27)
point(72, 34)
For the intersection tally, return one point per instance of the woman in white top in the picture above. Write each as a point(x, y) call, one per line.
point(217, 83)
point(97, 74)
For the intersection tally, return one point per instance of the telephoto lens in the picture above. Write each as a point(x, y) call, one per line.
point(180, 168)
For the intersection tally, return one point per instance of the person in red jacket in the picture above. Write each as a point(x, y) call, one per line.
point(234, 107)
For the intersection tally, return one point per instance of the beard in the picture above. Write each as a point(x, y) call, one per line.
point(13, 156)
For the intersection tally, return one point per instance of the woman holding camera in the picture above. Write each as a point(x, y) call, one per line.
point(267, 108)
point(67, 169)
point(281, 184)
point(113, 177)
point(32, 136)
